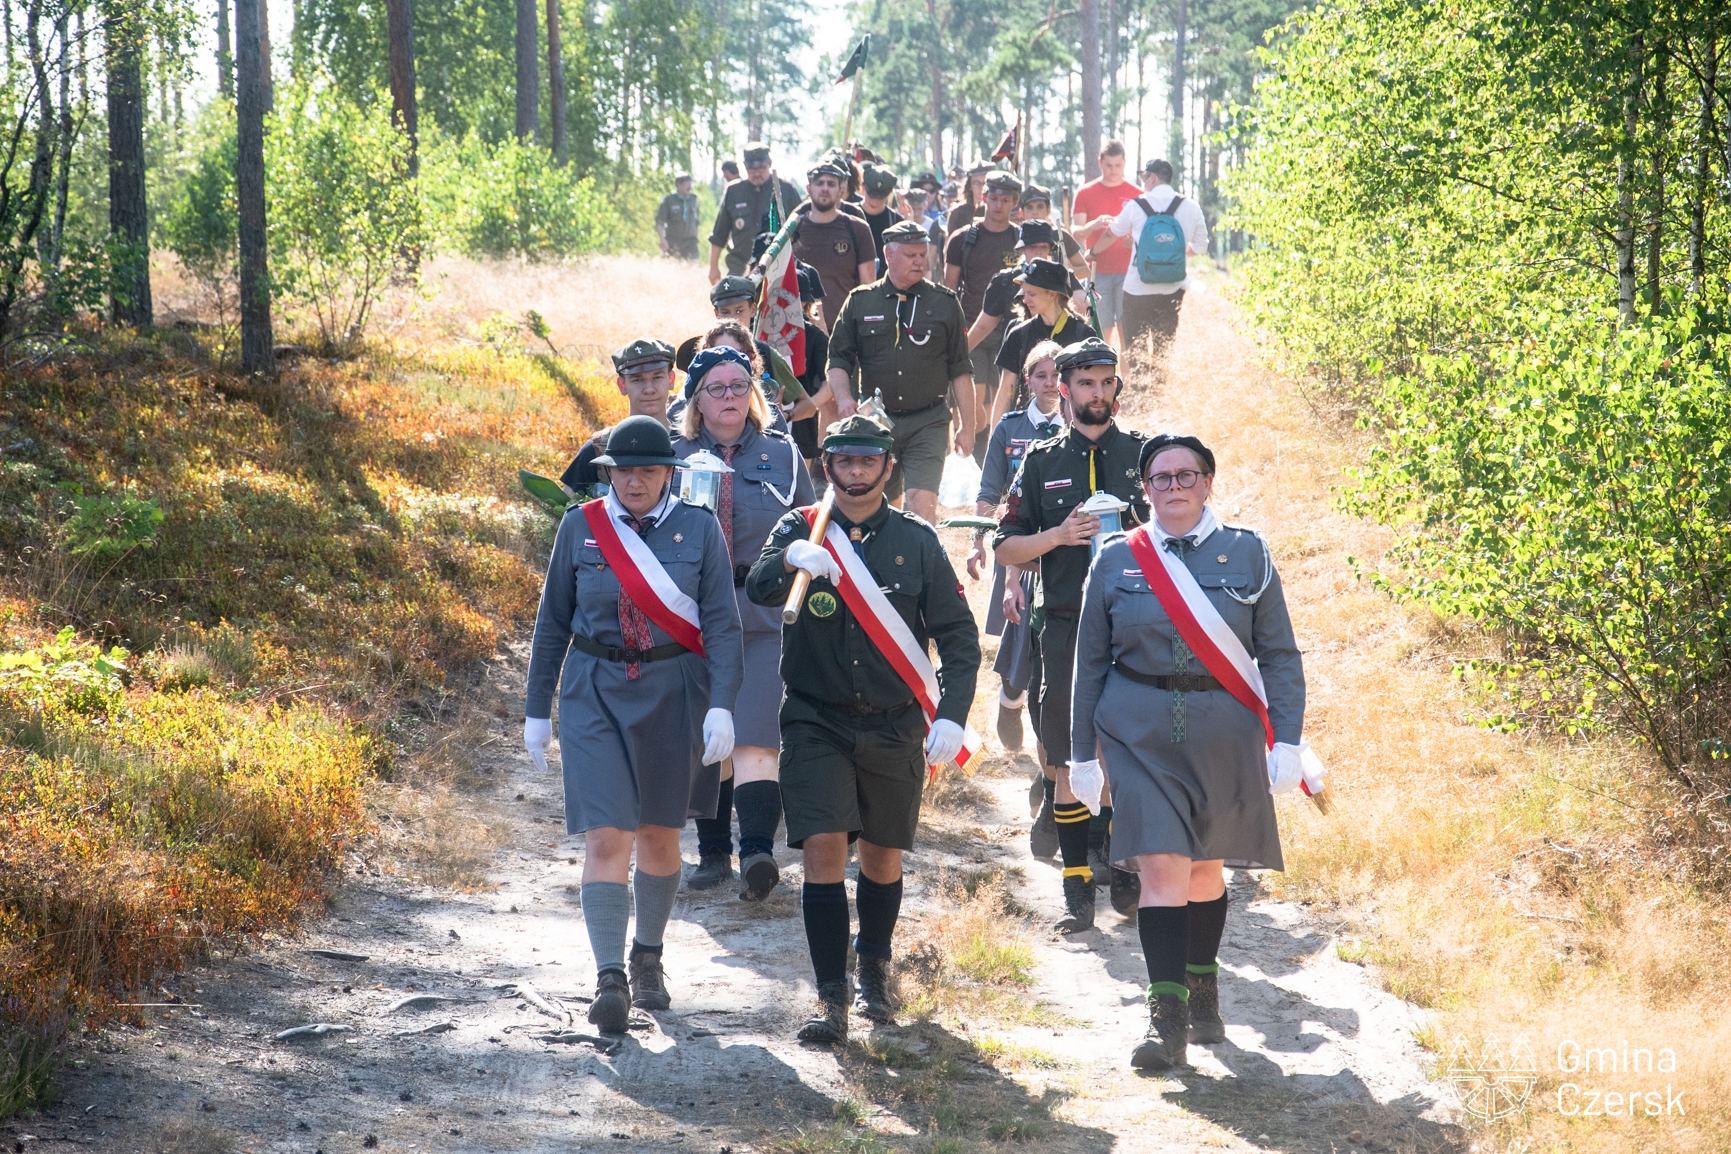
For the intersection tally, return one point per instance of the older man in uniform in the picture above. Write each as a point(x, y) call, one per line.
point(744, 203)
point(644, 376)
point(907, 339)
point(855, 742)
point(1046, 523)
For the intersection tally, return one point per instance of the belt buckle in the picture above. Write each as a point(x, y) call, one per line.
point(633, 656)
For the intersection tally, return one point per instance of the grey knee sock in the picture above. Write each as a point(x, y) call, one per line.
point(606, 910)
point(655, 896)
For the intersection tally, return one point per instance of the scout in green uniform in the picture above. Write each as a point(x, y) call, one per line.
point(854, 740)
point(1046, 523)
point(739, 215)
point(644, 377)
point(906, 338)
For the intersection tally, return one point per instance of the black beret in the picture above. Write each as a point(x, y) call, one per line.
point(1154, 445)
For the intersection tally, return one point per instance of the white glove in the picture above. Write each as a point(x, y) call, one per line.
point(943, 742)
point(717, 736)
point(814, 559)
point(537, 739)
point(1088, 782)
point(1284, 768)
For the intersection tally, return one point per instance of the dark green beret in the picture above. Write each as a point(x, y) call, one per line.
point(905, 232)
point(851, 435)
point(733, 288)
point(879, 181)
point(642, 353)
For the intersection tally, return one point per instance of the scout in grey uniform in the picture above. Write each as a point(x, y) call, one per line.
point(1189, 763)
point(644, 722)
point(728, 419)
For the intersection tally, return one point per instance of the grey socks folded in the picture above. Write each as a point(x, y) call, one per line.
point(606, 911)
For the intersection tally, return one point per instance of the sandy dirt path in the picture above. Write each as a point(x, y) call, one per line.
point(1317, 1058)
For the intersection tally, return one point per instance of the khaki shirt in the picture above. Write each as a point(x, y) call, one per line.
point(912, 354)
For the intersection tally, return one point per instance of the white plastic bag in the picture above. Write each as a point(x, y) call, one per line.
point(961, 482)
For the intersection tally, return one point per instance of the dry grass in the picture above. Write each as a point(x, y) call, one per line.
point(1501, 880)
point(967, 955)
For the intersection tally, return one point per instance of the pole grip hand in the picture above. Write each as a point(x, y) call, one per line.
point(802, 579)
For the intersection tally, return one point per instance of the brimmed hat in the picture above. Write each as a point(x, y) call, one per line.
point(905, 232)
point(636, 442)
point(733, 288)
point(1092, 351)
point(1035, 232)
point(1154, 445)
point(858, 436)
point(1003, 182)
point(641, 353)
point(1048, 275)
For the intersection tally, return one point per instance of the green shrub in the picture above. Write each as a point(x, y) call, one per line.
point(111, 524)
point(514, 199)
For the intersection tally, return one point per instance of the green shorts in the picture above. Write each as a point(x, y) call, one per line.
point(922, 441)
point(853, 774)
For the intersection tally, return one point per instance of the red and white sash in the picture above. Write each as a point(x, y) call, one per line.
point(644, 579)
point(889, 632)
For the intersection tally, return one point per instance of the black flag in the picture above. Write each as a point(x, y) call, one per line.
point(856, 60)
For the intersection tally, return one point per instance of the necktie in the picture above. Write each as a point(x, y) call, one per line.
point(1180, 651)
point(724, 507)
point(633, 623)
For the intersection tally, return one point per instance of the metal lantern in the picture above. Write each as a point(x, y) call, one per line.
point(1110, 510)
point(700, 479)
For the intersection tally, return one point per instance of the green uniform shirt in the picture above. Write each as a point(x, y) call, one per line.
point(828, 658)
point(909, 343)
point(1059, 474)
point(739, 217)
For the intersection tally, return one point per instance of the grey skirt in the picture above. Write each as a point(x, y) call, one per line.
point(1205, 797)
point(756, 715)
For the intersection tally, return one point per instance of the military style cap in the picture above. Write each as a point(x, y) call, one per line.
point(636, 442)
point(1150, 167)
point(879, 181)
point(857, 436)
point(826, 168)
point(732, 288)
point(1003, 182)
point(1034, 192)
point(642, 353)
point(905, 232)
point(981, 167)
point(1035, 232)
point(757, 152)
point(1153, 446)
point(928, 181)
point(1049, 275)
point(1092, 351)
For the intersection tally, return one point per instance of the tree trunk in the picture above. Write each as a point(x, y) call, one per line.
point(1088, 12)
point(528, 72)
point(555, 79)
point(1110, 30)
point(224, 54)
point(1625, 239)
point(49, 241)
point(252, 101)
point(1704, 137)
point(934, 62)
point(128, 216)
point(1656, 217)
point(400, 29)
point(1181, 13)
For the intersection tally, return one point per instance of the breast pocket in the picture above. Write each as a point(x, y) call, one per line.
point(1057, 503)
point(875, 328)
point(1225, 588)
point(1134, 602)
point(903, 583)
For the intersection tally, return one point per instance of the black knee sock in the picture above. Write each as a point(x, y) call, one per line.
point(879, 906)
point(825, 910)
point(1073, 838)
point(1099, 826)
point(1165, 931)
point(759, 804)
point(715, 834)
point(1207, 923)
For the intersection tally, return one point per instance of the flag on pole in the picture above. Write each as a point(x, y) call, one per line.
point(856, 60)
point(1007, 148)
point(780, 320)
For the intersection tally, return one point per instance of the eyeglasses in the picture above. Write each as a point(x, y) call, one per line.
point(1185, 478)
point(733, 389)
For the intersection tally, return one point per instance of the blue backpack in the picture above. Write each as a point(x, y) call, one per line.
point(1160, 246)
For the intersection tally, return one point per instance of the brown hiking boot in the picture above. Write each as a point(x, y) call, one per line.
point(1043, 838)
point(829, 1024)
point(1163, 1047)
point(1079, 904)
point(1010, 727)
point(875, 1000)
point(648, 981)
point(1206, 1025)
point(611, 1009)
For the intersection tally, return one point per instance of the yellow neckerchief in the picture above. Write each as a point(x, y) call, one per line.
point(1092, 487)
point(1063, 317)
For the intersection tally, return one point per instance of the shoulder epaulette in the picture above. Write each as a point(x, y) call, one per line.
point(919, 520)
point(945, 289)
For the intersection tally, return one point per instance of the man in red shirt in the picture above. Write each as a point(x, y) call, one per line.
point(1097, 204)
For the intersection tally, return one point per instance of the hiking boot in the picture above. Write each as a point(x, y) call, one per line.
point(829, 1024)
point(1036, 795)
point(648, 981)
point(1126, 891)
point(611, 1009)
point(1162, 1047)
point(1010, 726)
point(1206, 1026)
point(875, 1000)
point(1043, 838)
point(1079, 904)
point(760, 874)
point(712, 869)
point(1099, 866)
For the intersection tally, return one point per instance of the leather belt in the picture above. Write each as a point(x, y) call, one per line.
point(918, 411)
point(854, 709)
point(1171, 682)
point(615, 653)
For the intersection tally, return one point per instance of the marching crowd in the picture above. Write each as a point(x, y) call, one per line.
point(740, 610)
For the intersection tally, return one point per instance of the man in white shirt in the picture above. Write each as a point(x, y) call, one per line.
point(1151, 309)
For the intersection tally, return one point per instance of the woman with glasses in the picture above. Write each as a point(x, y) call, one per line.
point(1190, 761)
point(728, 417)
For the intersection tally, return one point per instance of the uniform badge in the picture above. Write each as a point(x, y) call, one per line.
point(898, 559)
point(738, 223)
point(821, 604)
point(841, 246)
point(679, 538)
point(854, 534)
point(763, 457)
point(1221, 558)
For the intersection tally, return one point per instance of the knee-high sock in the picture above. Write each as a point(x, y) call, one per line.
point(606, 912)
point(825, 909)
point(1164, 931)
point(715, 834)
point(1207, 923)
point(1099, 826)
point(879, 906)
point(655, 894)
point(1073, 838)
point(759, 804)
